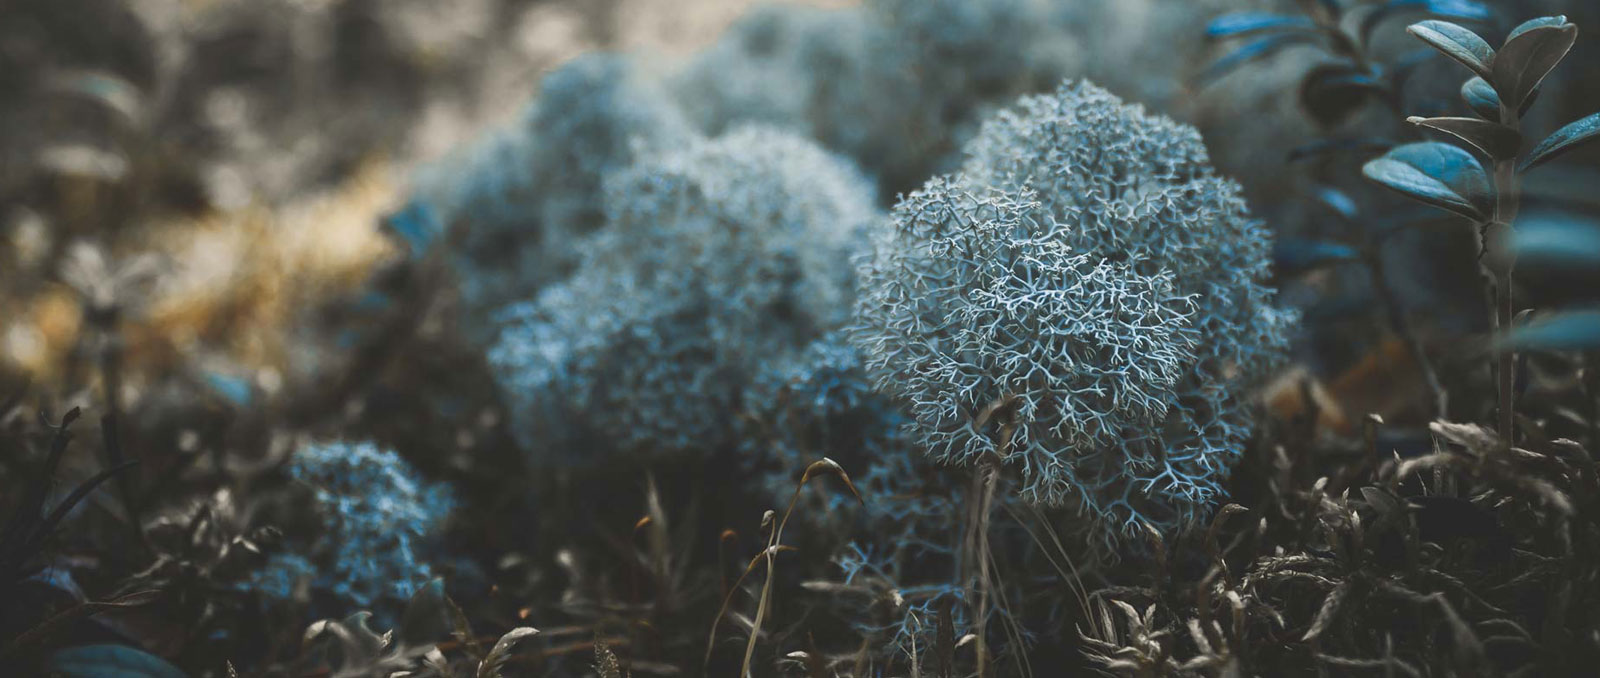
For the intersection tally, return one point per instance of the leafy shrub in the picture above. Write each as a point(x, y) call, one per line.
point(375, 516)
point(528, 194)
point(1084, 301)
point(716, 259)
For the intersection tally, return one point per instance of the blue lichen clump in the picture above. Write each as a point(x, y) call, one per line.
point(899, 549)
point(376, 520)
point(1084, 302)
point(828, 74)
point(525, 196)
point(714, 260)
point(822, 403)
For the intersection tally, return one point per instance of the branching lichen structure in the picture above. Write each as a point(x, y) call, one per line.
point(375, 519)
point(896, 85)
point(524, 197)
point(898, 550)
point(1083, 302)
point(715, 260)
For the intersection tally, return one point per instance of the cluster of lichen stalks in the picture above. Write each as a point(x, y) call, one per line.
point(1083, 302)
point(1079, 308)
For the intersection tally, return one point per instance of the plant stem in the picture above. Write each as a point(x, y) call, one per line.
point(1591, 396)
point(983, 487)
point(1497, 240)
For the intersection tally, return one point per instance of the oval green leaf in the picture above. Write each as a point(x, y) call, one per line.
point(1457, 43)
point(1296, 255)
point(1541, 22)
point(1366, 146)
point(1529, 55)
point(1491, 138)
point(426, 619)
point(1568, 331)
point(1251, 23)
point(1481, 98)
point(99, 661)
point(1331, 93)
point(1337, 202)
point(1460, 10)
point(1324, 12)
point(1259, 48)
point(1567, 138)
point(1436, 174)
point(1558, 242)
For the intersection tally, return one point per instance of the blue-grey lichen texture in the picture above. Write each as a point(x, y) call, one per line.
point(715, 260)
point(526, 196)
point(376, 518)
point(1085, 300)
point(829, 72)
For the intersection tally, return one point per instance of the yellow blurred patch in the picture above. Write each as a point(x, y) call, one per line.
point(236, 285)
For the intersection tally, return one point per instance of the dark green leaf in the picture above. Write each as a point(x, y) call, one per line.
point(463, 629)
point(1336, 201)
point(1528, 56)
point(236, 390)
point(1481, 98)
point(1528, 102)
point(1436, 174)
point(110, 661)
point(1251, 23)
point(1295, 255)
point(415, 226)
point(1568, 331)
point(78, 494)
point(1485, 102)
point(1573, 135)
point(501, 652)
point(426, 619)
point(1383, 502)
point(104, 88)
point(1324, 12)
point(1541, 22)
point(1457, 43)
point(1259, 48)
point(1461, 10)
point(1321, 147)
point(23, 527)
point(1331, 93)
point(1555, 241)
point(1492, 138)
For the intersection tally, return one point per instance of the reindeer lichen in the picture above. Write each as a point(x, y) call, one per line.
point(715, 260)
point(524, 197)
point(896, 85)
point(1084, 302)
point(375, 517)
